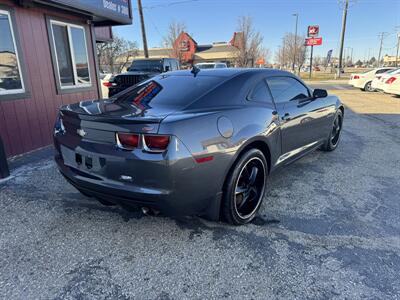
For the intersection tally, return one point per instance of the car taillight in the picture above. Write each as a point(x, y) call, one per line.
point(156, 142)
point(390, 80)
point(107, 84)
point(127, 140)
point(356, 77)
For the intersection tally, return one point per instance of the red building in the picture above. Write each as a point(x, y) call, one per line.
point(188, 51)
point(47, 59)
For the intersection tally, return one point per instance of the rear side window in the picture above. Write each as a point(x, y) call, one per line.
point(382, 71)
point(170, 90)
point(260, 93)
point(286, 89)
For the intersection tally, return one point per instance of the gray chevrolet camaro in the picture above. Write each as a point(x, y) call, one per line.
point(199, 142)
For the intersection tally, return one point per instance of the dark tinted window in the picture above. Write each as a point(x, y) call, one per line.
point(260, 93)
point(382, 71)
point(147, 65)
point(171, 90)
point(286, 89)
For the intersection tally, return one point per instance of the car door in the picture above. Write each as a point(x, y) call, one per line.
point(300, 115)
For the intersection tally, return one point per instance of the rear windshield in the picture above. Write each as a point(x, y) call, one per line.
point(169, 90)
point(146, 65)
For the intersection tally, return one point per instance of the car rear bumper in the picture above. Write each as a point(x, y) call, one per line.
point(169, 185)
point(358, 83)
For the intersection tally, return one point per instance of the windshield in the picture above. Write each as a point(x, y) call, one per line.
point(393, 72)
point(206, 66)
point(146, 65)
point(169, 90)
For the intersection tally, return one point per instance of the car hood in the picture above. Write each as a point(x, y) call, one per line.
point(112, 110)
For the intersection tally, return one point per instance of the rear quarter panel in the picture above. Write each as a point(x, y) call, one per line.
point(199, 133)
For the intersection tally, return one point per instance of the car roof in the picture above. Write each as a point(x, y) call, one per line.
point(231, 72)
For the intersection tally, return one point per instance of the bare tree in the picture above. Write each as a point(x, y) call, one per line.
point(116, 55)
point(249, 43)
point(169, 40)
point(291, 52)
point(317, 60)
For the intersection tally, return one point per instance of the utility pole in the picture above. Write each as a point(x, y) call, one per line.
point(398, 46)
point(382, 34)
point(295, 40)
point(146, 50)
point(346, 6)
point(351, 56)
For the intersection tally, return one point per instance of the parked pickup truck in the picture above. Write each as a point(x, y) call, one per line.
point(140, 70)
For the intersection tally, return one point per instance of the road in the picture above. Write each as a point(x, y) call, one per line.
point(328, 228)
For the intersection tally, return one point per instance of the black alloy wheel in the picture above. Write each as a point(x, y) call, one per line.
point(245, 188)
point(334, 136)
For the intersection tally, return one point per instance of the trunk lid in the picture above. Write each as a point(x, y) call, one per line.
point(99, 120)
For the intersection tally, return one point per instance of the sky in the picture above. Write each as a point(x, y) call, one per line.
point(209, 21)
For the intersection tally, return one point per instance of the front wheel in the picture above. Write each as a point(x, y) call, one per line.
point(245, 188)
point(334, 136)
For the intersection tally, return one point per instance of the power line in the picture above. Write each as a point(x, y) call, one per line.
point(167, 4)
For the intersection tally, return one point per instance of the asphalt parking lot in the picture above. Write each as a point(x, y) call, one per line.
point(328, 228)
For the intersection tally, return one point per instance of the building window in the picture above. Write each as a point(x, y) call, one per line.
point(71, 54)
point(11, 81)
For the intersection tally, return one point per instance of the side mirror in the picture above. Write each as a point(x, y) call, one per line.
point(320, 93)
point(166, 69)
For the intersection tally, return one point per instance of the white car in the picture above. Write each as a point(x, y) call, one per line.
point(379, 81)
point(105, 83)
point(392, 85)
point(212, 65)
point(363, 80)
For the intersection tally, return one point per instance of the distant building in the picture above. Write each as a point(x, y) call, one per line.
point(189, 51)
point(391, 60)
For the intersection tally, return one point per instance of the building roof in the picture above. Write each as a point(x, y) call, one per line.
point(215, 52)
point(156, 52)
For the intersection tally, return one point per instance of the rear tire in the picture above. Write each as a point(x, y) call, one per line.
point(334, 136)
point(244, 188)
point(368, 87)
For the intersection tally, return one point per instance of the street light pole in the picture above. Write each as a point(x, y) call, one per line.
point(346, 6)
point(295, 40)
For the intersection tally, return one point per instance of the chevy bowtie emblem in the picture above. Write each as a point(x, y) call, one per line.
point(81, 132)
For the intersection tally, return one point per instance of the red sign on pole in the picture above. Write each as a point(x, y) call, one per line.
point(313, 41)
point(313, 30)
